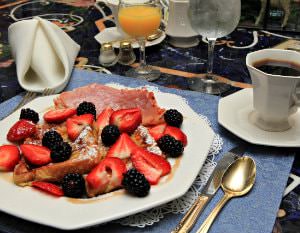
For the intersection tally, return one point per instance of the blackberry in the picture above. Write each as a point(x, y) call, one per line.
point(29, 114)
point(51, 138)
point(61, 152)
point(136, 183)
point(173, 118)
point(110, 134)
point(73, 185)
point(85, 108)
point(170, 146)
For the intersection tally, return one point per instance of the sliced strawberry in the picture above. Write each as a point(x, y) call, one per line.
point(20, 130)
point(126, 119)
point(9, 157)
point(153, 166)
point(152, 174)
point(176, 133)
point(59, 115)
point(158, 131)
point(103, 118)
point(48, 188)
point(122, 148)
point(76, 124)
point(106, 176)
point(35, 154)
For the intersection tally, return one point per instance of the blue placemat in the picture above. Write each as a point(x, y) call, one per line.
point(254, 213)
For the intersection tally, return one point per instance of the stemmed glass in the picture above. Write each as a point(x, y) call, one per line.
point(212, 19)
point(139, 19)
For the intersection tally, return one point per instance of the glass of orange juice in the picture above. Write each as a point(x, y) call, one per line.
point(140, 19)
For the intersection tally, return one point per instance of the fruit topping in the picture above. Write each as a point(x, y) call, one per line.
point(177, 134)
point(59, 115)
point(9, 157)
point(20, 130)
point(76, 124)
point(51, 138)
point(48, 188)
point(61, 152)
point(110, 134)
point(170, 146)
point(103, 118)
point(86, 107)
point(153, 166)
point(126, 119)
point(158, 131)
point(106, 176)
point(73, 185)
point(29, 114)
point(35, 154)
point(136, 183)
point(173, 117)
point(163, 129)
point(123, 147)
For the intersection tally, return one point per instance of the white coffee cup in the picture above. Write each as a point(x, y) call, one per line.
point(274, 96)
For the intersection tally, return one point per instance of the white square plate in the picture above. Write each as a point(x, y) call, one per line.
point(67, 213)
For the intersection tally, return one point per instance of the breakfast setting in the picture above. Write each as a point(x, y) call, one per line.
point(150, 116)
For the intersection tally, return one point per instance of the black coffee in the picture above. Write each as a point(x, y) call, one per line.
point(278, 67)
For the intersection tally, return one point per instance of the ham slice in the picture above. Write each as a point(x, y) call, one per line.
point(104, 96)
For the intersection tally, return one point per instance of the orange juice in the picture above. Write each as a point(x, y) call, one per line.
point(139, 21)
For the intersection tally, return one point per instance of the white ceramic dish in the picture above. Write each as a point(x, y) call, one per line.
point(67, 213)
point(112, 34)
point(234, 112)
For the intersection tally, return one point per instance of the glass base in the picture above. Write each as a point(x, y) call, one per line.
point(144, 72)
point(207, 86)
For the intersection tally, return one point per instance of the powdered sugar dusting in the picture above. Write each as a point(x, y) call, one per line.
point(88, 152)
point(82, 140)
point(149, 140)
point(143, 131)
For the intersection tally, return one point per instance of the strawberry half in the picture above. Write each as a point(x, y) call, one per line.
point(176, 133)
point(122, 148)
point(9, 157)
point(127, 120)
point(59, 115)
point(35, 154)
point(153, 166)
point(76, 124)
point(158, 131)
point(106, 176)
point(20, 130)
point(103, 118)
point(48, 188)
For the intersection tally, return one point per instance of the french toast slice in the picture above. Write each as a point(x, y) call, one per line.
point(85, 155)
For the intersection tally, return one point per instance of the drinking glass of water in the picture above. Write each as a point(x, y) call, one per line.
point(212, 19)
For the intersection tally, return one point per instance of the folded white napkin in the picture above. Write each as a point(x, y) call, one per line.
point(44, 54)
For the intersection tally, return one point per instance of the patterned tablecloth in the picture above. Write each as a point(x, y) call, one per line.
point(82, 20)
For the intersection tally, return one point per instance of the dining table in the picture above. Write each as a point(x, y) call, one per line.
point(82, 21)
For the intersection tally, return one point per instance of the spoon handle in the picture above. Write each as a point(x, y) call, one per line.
point(211, 217)
point(189, 219)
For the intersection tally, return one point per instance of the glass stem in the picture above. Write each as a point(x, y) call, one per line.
point(142, 43)
point(210, 61)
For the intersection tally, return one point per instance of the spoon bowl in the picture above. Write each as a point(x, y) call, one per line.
point(238, 180)
point(239, 177)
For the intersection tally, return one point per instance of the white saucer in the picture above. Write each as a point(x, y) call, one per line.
point(112, 34)
point(233, 114)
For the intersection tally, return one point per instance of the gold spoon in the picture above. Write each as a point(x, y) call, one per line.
point(237, 181)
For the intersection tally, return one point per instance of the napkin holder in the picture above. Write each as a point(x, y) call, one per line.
point(178, 27)
point(44, 54)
